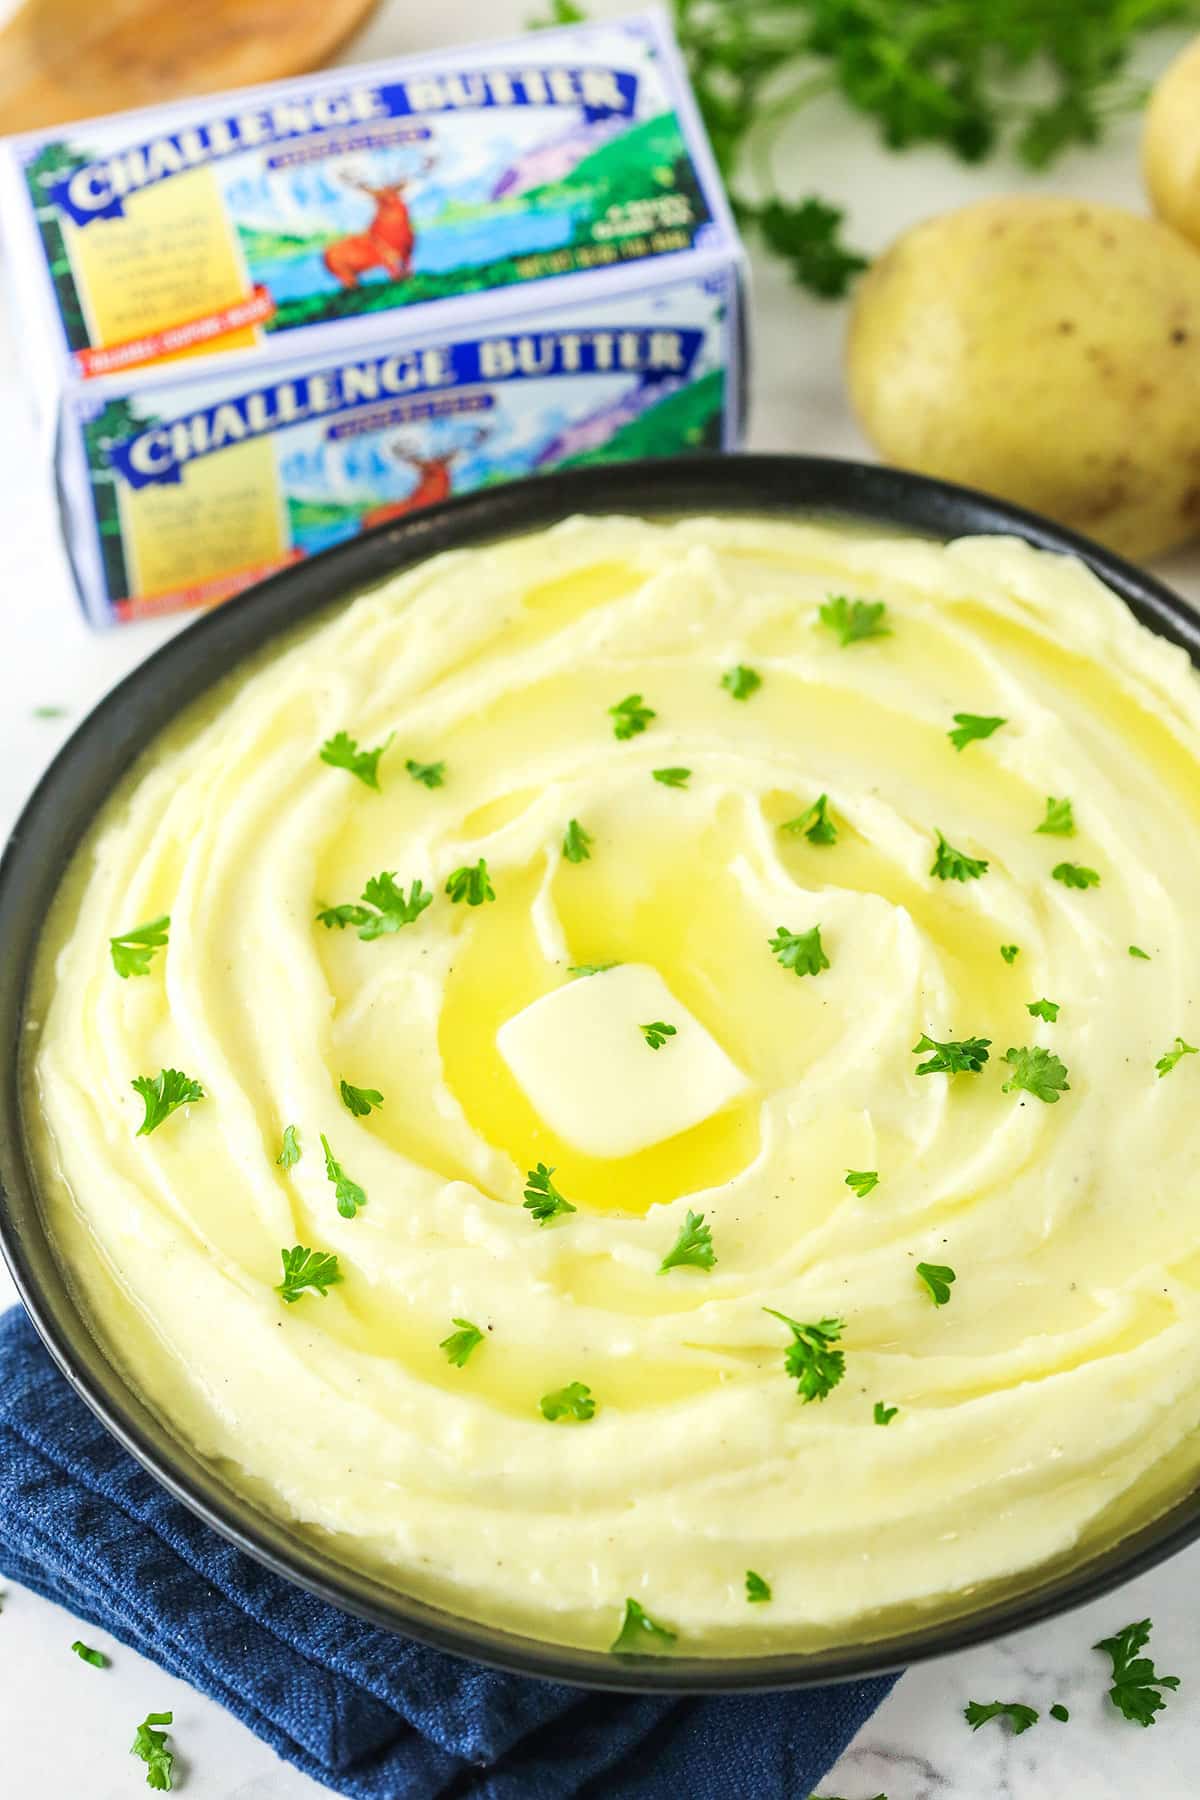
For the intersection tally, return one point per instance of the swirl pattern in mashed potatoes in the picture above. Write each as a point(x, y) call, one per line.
point(1050, 1400)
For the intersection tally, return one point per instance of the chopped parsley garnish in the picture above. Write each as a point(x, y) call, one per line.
point(576, 844)
point(640, 1635)
point(542, 1198)
point(1036, 1071)
point(801, 951)
point(151, 1746)
point(161, 1094)
point(955, 865)
point(1142, 955)
point(854, 620)
point(347, 1193)
point(692, 1249)
point(672, 777)
point(471, 883)
point(577, 969)
point(1043, 1009)
point(884, 1415)
point(1166, 1063)
point(862, 1181)
point(132, 951)
point(86, 1654)
point(741, 682)
point(430, 775)
point(304, 1269)
point(1059, 820)
point(814, 823)
point(1075, 875)
point(359, 1101)
point(1136, 1685)
point(757, 1589)
point(962, 1056)
point(49, 712)
point(459, 1345)
point(657, 1033)
point(1010, 952)
point(1019, 1716)
point(341, 751)
point(1058, 1711)
point(629, 716)
point(571, 1402)
point(972, 727)
point(385, 910)
point(937, 1278)
point(289, 1154)
point(810, 1359)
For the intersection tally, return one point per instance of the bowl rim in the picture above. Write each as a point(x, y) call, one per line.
point(62, 807)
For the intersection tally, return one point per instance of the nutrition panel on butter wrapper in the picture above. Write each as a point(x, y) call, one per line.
point(258, 323)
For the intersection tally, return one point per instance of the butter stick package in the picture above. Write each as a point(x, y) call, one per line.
point(259, 322)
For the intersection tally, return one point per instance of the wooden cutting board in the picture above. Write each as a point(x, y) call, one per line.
point(71, 59)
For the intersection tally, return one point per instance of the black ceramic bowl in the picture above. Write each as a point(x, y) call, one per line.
point(78, 782)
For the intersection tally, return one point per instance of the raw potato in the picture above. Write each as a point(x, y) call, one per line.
point(1171, 145)
point(1045, 349)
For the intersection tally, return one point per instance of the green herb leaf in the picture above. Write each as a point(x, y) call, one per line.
point(1036, 1071)
point(961, 1056)
point(740, 682)
point(810, 1359)
point(386, 910)
point(1136, 1685)
point(954, 865)
point(459, 1345)
point(676, 778)
point(1010, 952)
point(757, 1590)
point(937, 1278)
point(341, 751)
point(640, 1635)
point(359, 1101)
point(571, 1402)
point(304, 1269)
point(801, 951)
point(161, 1094)
point(1058, 1711)
point(577, 969)
point(562, 12)
point(96, 1658)
point(1074, 875)
point(630, 717)
point(852, 621)
point(1019, 1716)
point(862, 1181)
point(1059, 820)
point(1043, 1009)
point(472, 884)
point(576, 844)
point(289, 1155)
point(657, 1033)
point(1166, 1063)
point(807, 235)
point(693, 1247)
point(1142, 955)
point(430, 775)
point(347, 1193)
point(542, 1198)
point(884, 1414)
point(814, 823)
point(151, 1746)
point(972, 727)
point(49, 712)
point(132, 951)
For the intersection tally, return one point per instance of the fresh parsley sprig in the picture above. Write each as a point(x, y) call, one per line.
point(800, 951)
point(1075, 875)
point(1020, 1717)
point(970, 728)
point(289, 1154)
point(471, 883)
point(672, 777)
point(1037, 1071)
point(810, 1359)
point(938, 1278)
point(459, 1345)
point(304, 1269)
point(430, 775)
point(385, 909)
point(630, 717)
point(359, 1101)
point(542, 1198)
point(814, 823)
point(1059, 820)
point(640, 1635)
point(577, 843)
point(151, 1746)
point(692, 1249)
point(950, 864)
point(1043, 1009)
point(1171, 1058)
point(862, 1181)
point(854, 621)
point(132, 951)
point(1136, 1689)
point(347, 1193)
point(883, 1415)
point(657, 1033)
point(957, 1056)
point(341, 751)
point(757, 1590)
point(162, 1094)
point(571, 1402)
point(740, 682)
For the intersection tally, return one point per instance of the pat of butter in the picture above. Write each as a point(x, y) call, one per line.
point(582, 1059)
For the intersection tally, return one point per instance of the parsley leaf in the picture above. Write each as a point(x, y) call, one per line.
point(359, 1101)
point(1043, 1009)
point(289, 1155)
point(471, 883)
point(85, 1654)
point(562, 12)
point(1142, 955)
point(459, 1345)
point(1166, 1063)
point(629, 716)
point(757, 1589)
point(1019, 1716)
point(862, 1181)
point(385, 911)
point(161, 1094)
point(303, 1269)
point(1059, 820)
point(1058, 1711)
point(806, 234)
point(1036, 1071)
point(341, 751)
point(132, 951)
point(970, 727)
point(814, 823)
point(571, 1402)
point(964, 1056)
point(577, 969)
point(801, 951)
point(640, 1635)
point(884, 1414)
point(810, 1359)
point(542, 1198)
point(151, 1746)
point(347, 1193)
point(937, 1278)
point(854, 620)
point(430, 775)
point(1136, 1685)
point(740, 682)
point(1010, 952)
point(1075, 875)
point(657, 1033)
point(672, 777)
point(692, 1249)
point(576, 844)
point(954, 865)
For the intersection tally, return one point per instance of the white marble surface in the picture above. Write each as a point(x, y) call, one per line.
point(65, 1728)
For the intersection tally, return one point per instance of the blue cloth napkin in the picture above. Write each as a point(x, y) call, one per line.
point(371, 1715)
